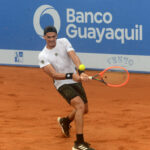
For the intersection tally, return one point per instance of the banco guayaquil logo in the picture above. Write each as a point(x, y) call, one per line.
point(89, 25)
point(42, 10)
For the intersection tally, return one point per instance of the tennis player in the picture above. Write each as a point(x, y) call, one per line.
point(59, 60)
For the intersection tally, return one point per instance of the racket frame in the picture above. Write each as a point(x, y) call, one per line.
point(108, 84)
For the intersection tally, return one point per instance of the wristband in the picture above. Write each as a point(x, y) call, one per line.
point(69, 75)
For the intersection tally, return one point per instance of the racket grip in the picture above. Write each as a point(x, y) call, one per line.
point(90, 77)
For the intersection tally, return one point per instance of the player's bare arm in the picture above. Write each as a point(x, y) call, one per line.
point(77, 62)
point(50, 71)
point(74, 58)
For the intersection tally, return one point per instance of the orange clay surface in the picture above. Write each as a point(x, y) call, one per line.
point(118, 119)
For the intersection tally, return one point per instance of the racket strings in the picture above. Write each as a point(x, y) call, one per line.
point(115, 77)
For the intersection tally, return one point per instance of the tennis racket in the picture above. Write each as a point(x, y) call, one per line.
point(114, 76)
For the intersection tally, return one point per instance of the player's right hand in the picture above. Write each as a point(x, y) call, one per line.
point(82, 77)
point(76, 77)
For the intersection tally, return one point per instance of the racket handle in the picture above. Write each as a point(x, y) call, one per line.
point(90, 77)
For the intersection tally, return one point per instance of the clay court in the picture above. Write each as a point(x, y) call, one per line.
point(118, 119)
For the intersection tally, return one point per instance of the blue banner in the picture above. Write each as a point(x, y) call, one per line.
point(92, 26)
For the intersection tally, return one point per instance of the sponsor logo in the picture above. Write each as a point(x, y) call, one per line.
point(56, 54)
point(42, 10)
point(89, 25)
point(42, 61)
point(92, 29)
point(18, 58)
point(120, 60)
